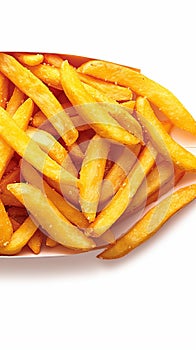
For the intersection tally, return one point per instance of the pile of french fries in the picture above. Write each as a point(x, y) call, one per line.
point(82, 151)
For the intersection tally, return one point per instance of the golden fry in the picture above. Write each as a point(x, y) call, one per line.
point(3, 90)
point(6, 197)
point(19, 238)
point(6, 229)
point(53, 60)
point(122, 198)
point(50, 242)
point(180, 156)
point(29, 59)
point(33, 87)
point(50, 218)
point(91, 176)
point(143, 86)
point(93, 113)
point(48, 74)
point(30, 151)
point(15, 101)
point(150, 223)
point(35, 242)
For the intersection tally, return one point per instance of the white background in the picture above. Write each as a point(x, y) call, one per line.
point(146, 301)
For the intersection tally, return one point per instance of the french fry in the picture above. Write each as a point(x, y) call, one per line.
point(33, 87)
point(6, 197)
point(129, 104)
point(3, 90)
point(179, 155)
point(30, 151)
point(15, 101)
point(118, 204)
point(118, 172)
point(35, 242)
point(96, 116)
point(91, 176)
point(50, 218)
point(150, 223)
point(53, 148)
point(12, 165)
point(29, 59)
point(72, 214)
point(143, 86)
point(48, 74)
point(6, 229)
point(20, 238)
point(21, 118)
point(117, 92)
point(53, 60)
point(50, 242)
point(15, 224)
point(40, 121)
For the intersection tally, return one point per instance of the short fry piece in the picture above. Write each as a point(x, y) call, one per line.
point(41, 95)
point(180, 156)
point(143, 86)
point(123, 197)
point(53, 60)
point(50, 242)
point(49, 217)
point(30, 151)
point(93, 113)
point(19, 238)
point(29, 59)
point(15, 101)
point(35, 242)
point(3, 90)
point(6, 229)
point(150, 223)
point(6, 197)
point(91, 176)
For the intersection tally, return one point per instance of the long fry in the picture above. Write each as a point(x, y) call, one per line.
point(29, 58)
point(122, 198)
point(150, 223)
point(3, 90)
point(94, 114)
point(35, 242)
point(49, 217)
point(40, 94)
point(180, 156)
point(5, 226)
point(21, 118)
point(15, 101)
point(30, 151)
point(143, 86)
point(20, 238)
point(91, 175)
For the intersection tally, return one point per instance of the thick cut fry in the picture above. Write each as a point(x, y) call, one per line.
point(6, 197)
point(92, 112)
point(123, 197)
point(91, 176)
point(118, 172)
point(29, 59)
point(15, 101)
point(35, 242)
point(21, 118)
point(53, 148)
point(6, 229)
point(31, 152)
point(143, 86)
point(118, 93)
point(50, 218)
point(150, 223)
point(3, 90)
point(53, 60)
point(20, 238)
point(72, 214)
point(180, 156)
point(48, 74)
point(33, 87)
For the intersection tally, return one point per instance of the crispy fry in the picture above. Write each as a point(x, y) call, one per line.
point(15, 101)
point(6, 197)
point(50, 218)
point(19, 238)
point(122, 198)
point(93, 113)
point(35, 242)
point(143, 86)
point(118, 93)
point(3, 90)
point(40, 121)
point(6, 229)
point(29, 59)
point(30, 151)
point(72, 214)
point(150, 223)
point(50, 242)
point(53, 148)
point(91, 176)
point(53, 60)
point(129, 104)
point(48, 74)
point(33, 87)
point(180, 156)
point(118, 173)
point(21, 118)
